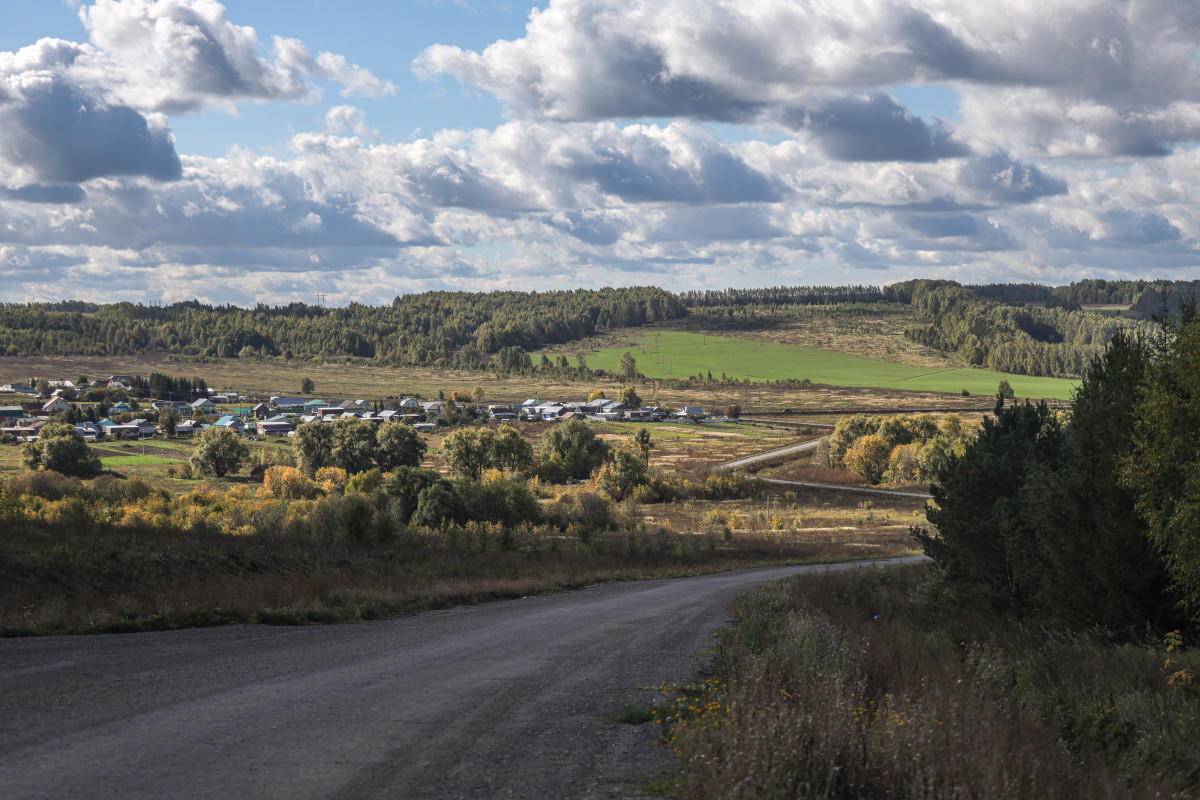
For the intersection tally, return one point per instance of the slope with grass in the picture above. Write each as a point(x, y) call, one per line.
point(676, 354)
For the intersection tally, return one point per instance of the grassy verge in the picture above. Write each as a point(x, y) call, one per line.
point(868, 684)
point(71, 579)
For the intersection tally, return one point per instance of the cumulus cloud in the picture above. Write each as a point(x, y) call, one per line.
point(874, 127)
point(1062, 161)
point(1057, 76)
point(63, 135)
point(71, 112)
point(182, 55)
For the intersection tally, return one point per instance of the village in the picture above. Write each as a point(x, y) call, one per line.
point(278, 416)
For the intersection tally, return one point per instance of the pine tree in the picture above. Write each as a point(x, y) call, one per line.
point(984, 546)
point(1100, 568)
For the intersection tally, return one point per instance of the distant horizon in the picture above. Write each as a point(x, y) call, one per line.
point(312, 303)
point(272, 151)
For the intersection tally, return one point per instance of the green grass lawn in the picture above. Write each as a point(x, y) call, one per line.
point(112, 462)
point(675, 354)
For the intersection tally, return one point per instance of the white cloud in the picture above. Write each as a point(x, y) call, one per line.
point(1064, 161)
point(1059, 77)
point(182, 55)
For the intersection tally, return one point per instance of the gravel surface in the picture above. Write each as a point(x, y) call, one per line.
point(506, 699)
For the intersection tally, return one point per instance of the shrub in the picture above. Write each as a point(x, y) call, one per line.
point(435, 505)
point(288, 483)
point(46, 484)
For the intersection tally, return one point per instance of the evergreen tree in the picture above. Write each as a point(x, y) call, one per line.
point(1100, 568)
point(983, 545)
point(1163, 467)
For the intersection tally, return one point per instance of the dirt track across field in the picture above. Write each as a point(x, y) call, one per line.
point(506, 699)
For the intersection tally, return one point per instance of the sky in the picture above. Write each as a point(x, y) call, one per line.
point(271, 151)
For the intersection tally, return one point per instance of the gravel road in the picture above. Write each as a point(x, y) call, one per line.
point(500, 700)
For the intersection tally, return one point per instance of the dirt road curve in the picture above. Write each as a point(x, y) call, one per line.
point(500, 700)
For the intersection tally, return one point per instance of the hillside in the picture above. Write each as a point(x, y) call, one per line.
point(1019, 329)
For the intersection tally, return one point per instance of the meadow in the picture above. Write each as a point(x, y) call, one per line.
point(680, 354)
point(72, 568)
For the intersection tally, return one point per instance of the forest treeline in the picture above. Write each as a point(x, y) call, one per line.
point(992, 326)
point(429, 329)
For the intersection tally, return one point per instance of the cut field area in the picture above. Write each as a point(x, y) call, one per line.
point(675, 354)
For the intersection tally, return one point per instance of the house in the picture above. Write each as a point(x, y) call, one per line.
point(144, 427)
point(127, 431)
point(689, 412)
point(203, 406)
point(639, 415)
point(232, 423)
point(261, 411)
point(311, 406)
point(123, 380)
point(409, 403)
point(424, 427)
point(119, 408)
point(502, 412)
point(55, 406)
point(17, 388)
point(659, 414)
point(11, 412)
point(273, 428)
point(434, 407)
point(90, 431)
point(25, 433)
point(186, 428)
point(288, 403)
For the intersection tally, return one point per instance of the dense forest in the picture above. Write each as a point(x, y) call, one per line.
point(429, 329)
point(1019, 328)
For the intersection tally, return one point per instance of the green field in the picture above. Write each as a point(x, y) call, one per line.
point(674, 354)
point(112, 462)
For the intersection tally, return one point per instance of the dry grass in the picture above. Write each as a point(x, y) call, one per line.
point(877, 334)
point(65, 579)
point(869, 684)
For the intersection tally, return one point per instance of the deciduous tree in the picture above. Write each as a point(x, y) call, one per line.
point(61, 448)
point(572, 450)
point(399, 446)
point(219, 452)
